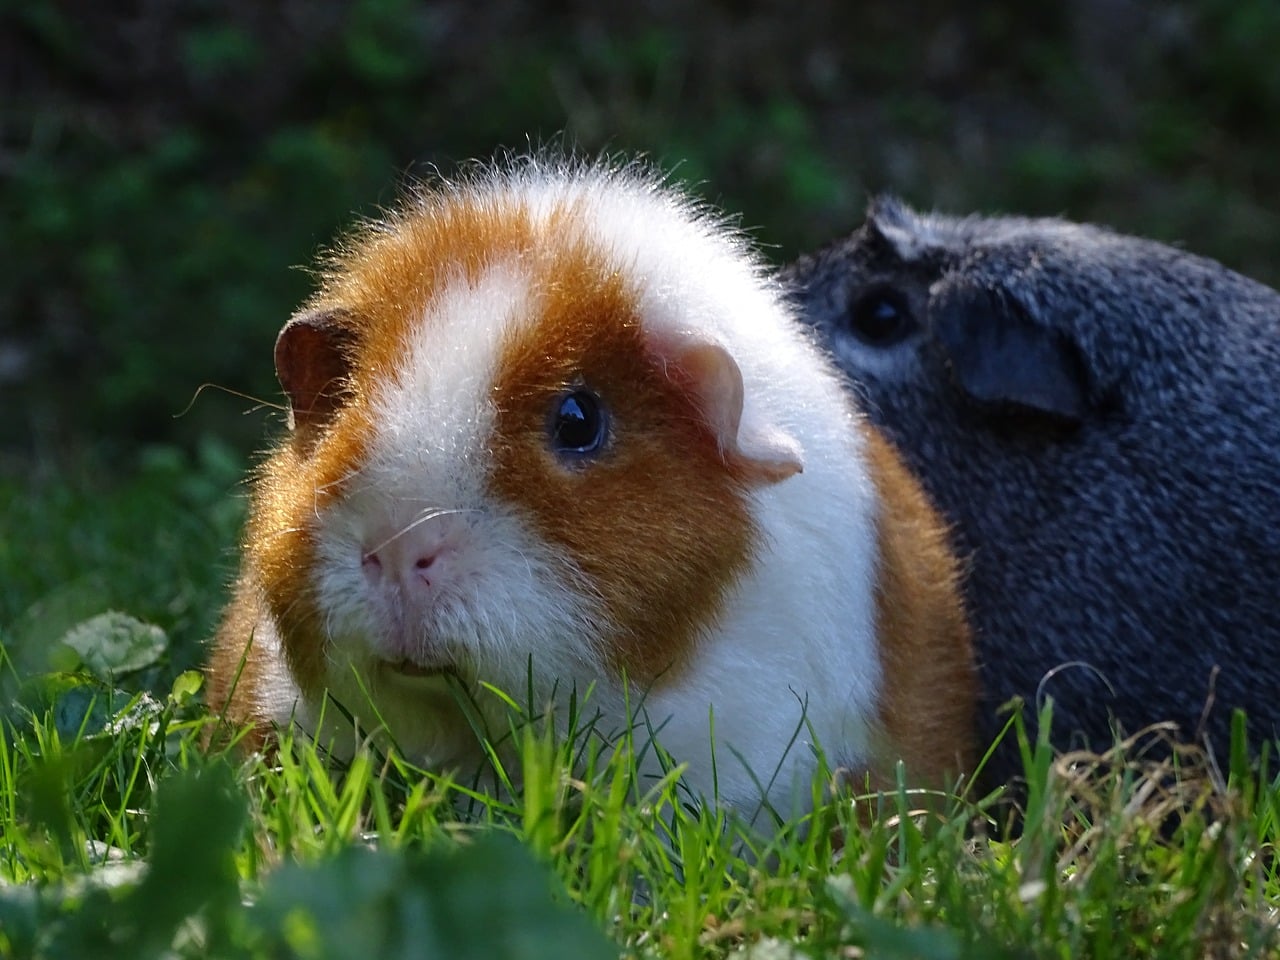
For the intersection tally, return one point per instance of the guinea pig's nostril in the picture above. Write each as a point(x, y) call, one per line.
point(427, 562)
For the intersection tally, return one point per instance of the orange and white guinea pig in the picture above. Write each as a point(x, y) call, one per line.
point(554, 421)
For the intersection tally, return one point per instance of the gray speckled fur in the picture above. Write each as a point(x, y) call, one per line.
point(1099, 417)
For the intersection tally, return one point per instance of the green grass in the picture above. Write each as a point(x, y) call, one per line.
point(121, 837)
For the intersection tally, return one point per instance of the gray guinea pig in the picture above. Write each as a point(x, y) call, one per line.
point(1099, 418)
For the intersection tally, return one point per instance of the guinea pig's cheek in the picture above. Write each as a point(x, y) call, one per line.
point(343, 598)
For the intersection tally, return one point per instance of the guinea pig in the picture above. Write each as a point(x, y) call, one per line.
point(1099, 418)
point(553, 427)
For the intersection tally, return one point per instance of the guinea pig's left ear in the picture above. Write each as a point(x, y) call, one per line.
point(1000, 353)
point(761, 453)
point(313, 364)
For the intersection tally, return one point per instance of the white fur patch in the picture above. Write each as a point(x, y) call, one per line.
point(275, 691)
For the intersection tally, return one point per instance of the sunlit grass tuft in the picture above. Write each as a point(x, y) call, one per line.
point(1136, 852)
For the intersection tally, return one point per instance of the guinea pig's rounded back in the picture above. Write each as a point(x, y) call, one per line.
point(555, 427)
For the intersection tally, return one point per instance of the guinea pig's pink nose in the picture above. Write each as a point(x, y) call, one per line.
point(415, 558)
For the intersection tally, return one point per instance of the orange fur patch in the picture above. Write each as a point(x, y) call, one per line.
point(657, 520)
point(237, 667)
point(930, 688)
point(279, 552)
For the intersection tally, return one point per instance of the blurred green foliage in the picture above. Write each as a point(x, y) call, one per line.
point(165, 167)
point(77, 543)
point(486, 899)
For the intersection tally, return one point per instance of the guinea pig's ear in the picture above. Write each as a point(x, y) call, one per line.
point(1000, 354)
point(893, 228)
point(313, 363)
point(760, 453)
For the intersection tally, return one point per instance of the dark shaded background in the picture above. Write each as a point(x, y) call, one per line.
point(164, 166)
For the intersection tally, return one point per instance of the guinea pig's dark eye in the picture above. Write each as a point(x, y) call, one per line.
point(578, 424)
point(881, 318)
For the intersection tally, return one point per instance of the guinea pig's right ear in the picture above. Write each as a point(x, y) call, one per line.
point(313, 363)
point(1000, 353)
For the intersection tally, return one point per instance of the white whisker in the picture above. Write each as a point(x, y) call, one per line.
point(349, 475)
point(428, 514)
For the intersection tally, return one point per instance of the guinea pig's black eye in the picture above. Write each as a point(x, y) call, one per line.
point(579, 424)
point(881, 318)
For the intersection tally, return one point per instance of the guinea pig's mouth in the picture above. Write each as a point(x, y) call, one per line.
point(405, 667)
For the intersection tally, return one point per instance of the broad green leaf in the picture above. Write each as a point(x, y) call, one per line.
point(115, 643)
point(486, 900)
point(32, 644)
point(185, 686)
